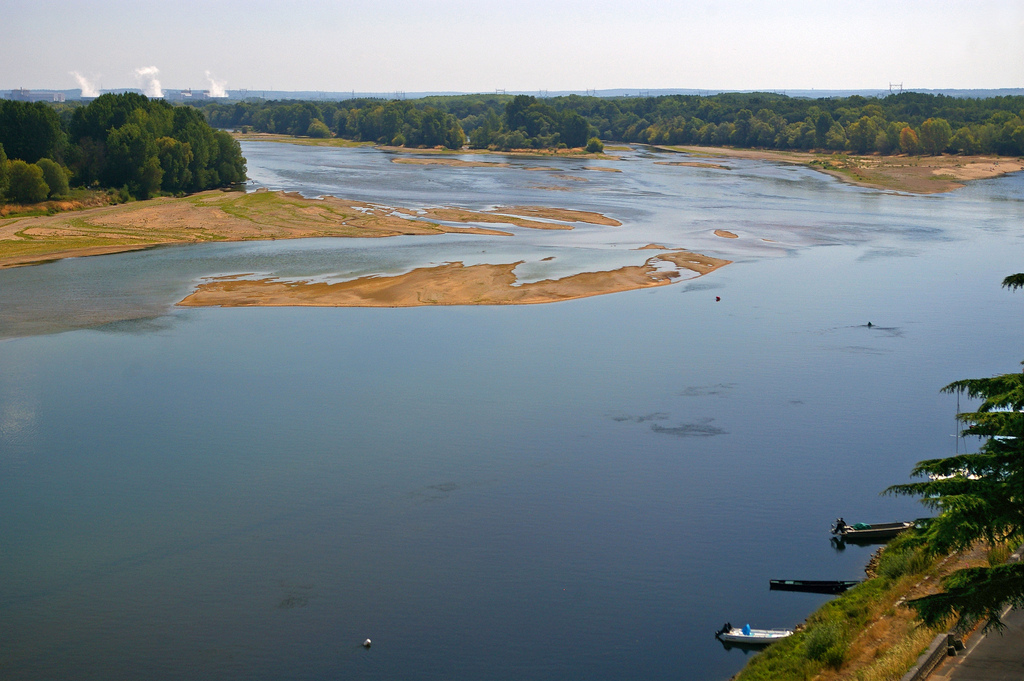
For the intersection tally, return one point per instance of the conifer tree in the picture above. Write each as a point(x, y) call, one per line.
point(978, 496)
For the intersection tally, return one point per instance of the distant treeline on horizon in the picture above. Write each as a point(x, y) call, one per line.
point(910, 122)
point(142, 147)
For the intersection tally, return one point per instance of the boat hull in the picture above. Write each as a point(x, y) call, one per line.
point(812, 585)
point(756, 637)
point(877, 532)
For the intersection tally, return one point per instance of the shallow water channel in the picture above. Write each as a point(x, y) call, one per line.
point(585, 489)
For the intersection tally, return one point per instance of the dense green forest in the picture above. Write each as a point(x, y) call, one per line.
point(399, 123)
point(126, 142)
point(144, 147)
point(911, 123)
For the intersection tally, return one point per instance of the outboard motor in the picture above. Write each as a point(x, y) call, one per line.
point(726, 628)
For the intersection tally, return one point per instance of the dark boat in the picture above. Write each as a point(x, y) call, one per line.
point(868, 533)
point(814, 586)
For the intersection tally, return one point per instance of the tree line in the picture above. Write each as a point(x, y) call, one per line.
point(128, 142)
point(397, 123)
point(910, 123)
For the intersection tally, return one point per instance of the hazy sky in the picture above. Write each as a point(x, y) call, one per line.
point(479, 46)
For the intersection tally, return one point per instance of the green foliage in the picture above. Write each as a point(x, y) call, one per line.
point(419, 123)
point(975, 594)
point(1012, 282)
point(935, 136)
point(55, 176)
point(964, 141)
point(900, 559)
point(595, 146)
point(827, 643)
point(754, 119)
point(862, 135)
point(147, 146)
point(5, 172)
point(835, 138)
point(30, 131)
point(317, 128)
point(26, 183)
point(175, 158)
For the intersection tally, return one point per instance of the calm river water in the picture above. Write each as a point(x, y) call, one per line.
point(580, 490)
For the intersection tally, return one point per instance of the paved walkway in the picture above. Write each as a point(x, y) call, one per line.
point(992, 657)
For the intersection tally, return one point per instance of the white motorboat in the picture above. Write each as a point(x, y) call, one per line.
point(749, 636)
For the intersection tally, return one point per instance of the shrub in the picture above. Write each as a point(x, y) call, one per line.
point(998, 554)
point(318, 128)
point(826, 642)
point(26, 183)
point(55, 177)
point(595, 146)
point(897, 561)
point(5, 172)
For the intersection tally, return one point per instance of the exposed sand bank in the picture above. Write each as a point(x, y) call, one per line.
point(233, 216)
point(462, 163)
point(448, 284)
point(519, 216)
point(563, 214)
point(725, 234)
point(693, 164)
point(915, 174)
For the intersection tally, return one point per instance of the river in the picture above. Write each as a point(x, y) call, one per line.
point(586, 489)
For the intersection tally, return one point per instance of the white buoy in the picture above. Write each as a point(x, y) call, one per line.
point(366, 643)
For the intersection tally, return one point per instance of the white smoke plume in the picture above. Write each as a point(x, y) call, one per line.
point(216, 86)
point(148, 76)
point(88, 88)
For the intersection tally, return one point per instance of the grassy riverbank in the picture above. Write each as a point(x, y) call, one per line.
point(262, 215)
point(867, 633)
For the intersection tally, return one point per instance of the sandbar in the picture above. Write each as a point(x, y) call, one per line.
point(448, 284)
point(693, 164)
point(563, 214)
point(913, 174)
point(462, 163)
point(725, 234)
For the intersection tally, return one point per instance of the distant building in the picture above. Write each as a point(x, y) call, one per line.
point(188, 95)
point(23, 95)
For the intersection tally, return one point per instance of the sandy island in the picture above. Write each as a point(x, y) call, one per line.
point(234, 216)
point(448, 284)
point(915, 174)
